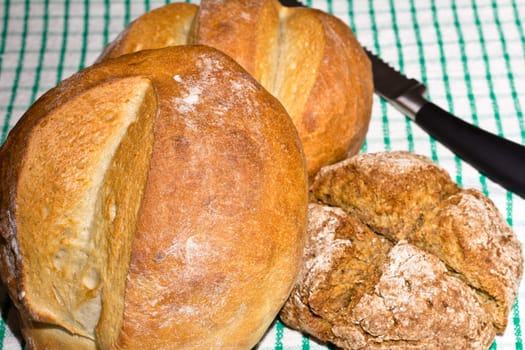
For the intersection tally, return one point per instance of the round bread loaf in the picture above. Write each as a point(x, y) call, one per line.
point(154, 201)
point(308, 59)
point(399, 257)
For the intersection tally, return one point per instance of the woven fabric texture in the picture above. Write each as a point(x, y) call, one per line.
point(469, 53)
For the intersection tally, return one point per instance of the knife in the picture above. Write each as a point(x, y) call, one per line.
point(499, 159)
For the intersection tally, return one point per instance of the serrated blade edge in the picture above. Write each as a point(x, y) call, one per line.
point(406, 94)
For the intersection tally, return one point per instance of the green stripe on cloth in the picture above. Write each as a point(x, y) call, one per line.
point(516, 321)
point(465, 68)
point(63, 49)
point(488, 77)
point(446, 82)
point(509, 74)
point(519, 25)
point(105, 31)
point(401, 65)
point(517, 22)
point(488, 74)
point(3, 38)
point(377, 47)
point(85, 36)
point(18, 72)
point(42, 51)
point(305, 343)
point(127, 12)
point(422, 63)
point(435, 24)
point(279, 331)
point(330, 6)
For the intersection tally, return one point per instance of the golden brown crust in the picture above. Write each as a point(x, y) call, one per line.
point(333, 118)
point(308, 59)
point(359, 291)
point(245, 30)
point(209, 168)
point(389, 191)
point(467, 232)
point(448, 282)
point(169, 25)
point(342, 262)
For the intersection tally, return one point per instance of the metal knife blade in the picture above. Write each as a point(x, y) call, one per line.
point(404, 93)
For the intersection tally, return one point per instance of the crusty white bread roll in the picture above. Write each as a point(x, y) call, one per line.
point(308, 59)
point(154, 201)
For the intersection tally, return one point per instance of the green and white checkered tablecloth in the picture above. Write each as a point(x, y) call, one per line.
point(470, 54)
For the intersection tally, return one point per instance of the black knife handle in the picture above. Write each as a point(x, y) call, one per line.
point(501, 160)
